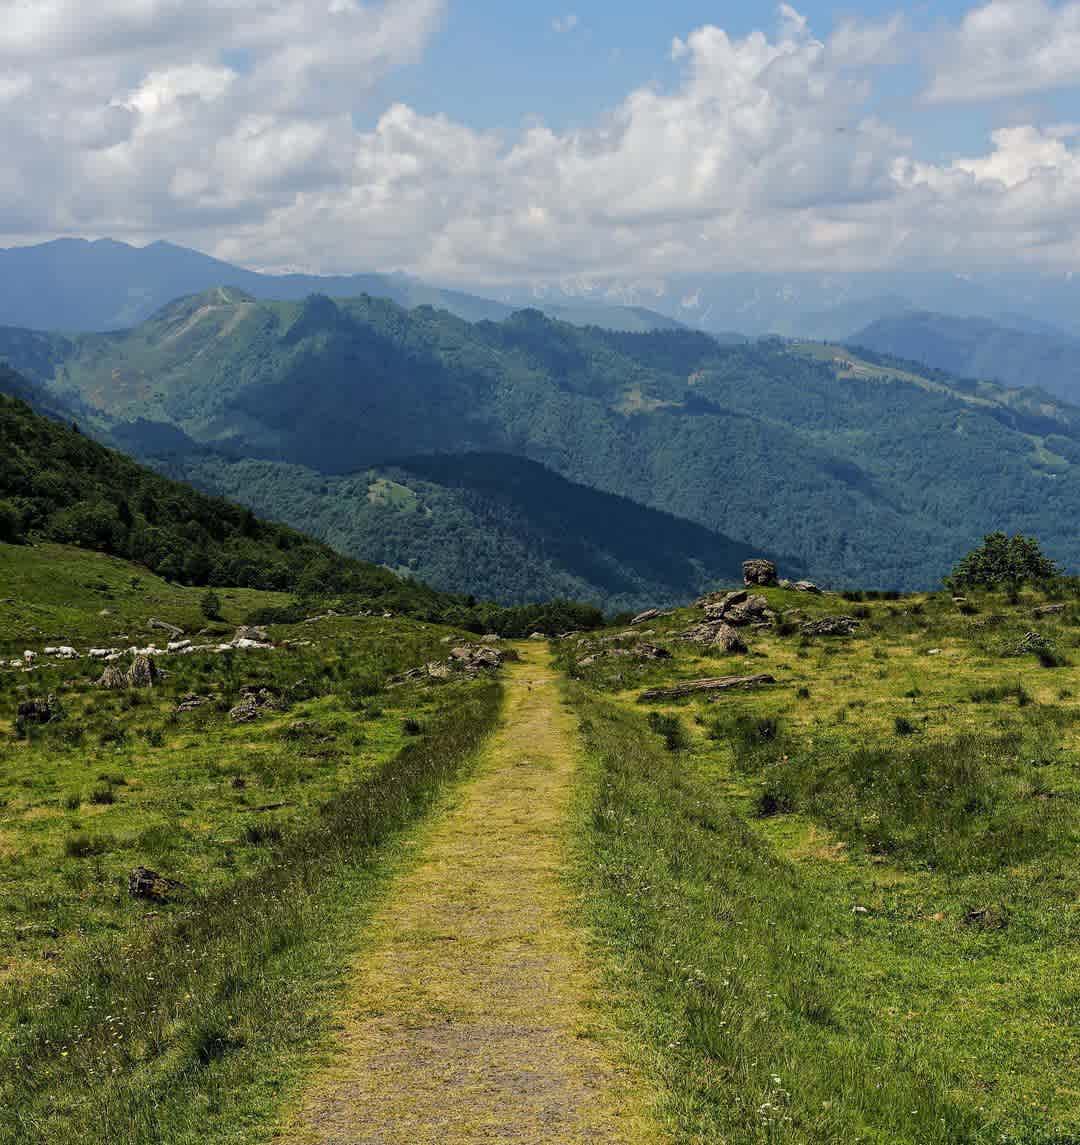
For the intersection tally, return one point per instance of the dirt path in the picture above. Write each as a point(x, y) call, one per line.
point(474, 1017)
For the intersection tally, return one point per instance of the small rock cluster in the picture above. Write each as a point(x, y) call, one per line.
point(466, 659)
point(254, 702)
point(642, 651)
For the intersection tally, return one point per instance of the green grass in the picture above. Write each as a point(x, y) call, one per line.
point(202, 1019)
point(845, 910)
point(56, 594)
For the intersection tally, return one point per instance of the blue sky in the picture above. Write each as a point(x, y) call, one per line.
point(493, 64)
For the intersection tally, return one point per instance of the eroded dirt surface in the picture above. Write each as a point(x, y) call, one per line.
point(474, 1016)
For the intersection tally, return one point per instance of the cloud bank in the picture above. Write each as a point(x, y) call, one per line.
point(231, 124)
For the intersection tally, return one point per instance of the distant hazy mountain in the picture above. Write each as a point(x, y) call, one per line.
point(862, 470)
point(75, 285)
point(979, 348)
point(831, 305)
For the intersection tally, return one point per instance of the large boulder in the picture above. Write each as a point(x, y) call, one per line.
point(144, 672)
point(759, 572)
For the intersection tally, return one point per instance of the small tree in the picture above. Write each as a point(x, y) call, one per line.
point(1003, 562)
point(211, 605)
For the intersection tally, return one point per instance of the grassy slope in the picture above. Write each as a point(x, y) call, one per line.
point(202, 1009)
point(942, 1011)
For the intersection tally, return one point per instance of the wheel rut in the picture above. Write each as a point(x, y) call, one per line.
point(474, 1015)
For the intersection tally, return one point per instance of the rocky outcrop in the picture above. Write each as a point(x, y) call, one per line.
point(759, 572)
point(740, 608)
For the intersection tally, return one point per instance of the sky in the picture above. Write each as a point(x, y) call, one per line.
point(482, 142)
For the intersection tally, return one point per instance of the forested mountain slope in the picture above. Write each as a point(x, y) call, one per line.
point(491, 524)
point(56, 484)
point(865, 472)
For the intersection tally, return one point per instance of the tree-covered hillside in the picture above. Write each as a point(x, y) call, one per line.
point(864, 473)
point(498, 526)
point(56, 484)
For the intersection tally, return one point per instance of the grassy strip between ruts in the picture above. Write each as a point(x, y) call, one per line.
point(196, 1029)
point(732, 975)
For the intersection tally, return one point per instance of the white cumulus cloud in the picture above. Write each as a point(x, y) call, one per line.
point(230, 124)
point(1007, 48)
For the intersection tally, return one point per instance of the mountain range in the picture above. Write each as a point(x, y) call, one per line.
point(980, 348)
point(75, 285)
point(405, 434)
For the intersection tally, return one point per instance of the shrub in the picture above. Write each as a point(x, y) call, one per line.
point(903, 726)
point(80, 845)
point(1003, 562)
point(670, 729)
point(72, 801)
point(103, 794)
point(411, 727)
point(210, 605)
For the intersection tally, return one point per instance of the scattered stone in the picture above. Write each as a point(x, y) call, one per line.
point(537, 636)
point(651, 652)
point(1049, 610)
point(643, 617)
point(491, 639)
point(190, 702)
point(831, 626)
point(720, 684)
point(254, 702)
point(934, 652)
point(759, 572)
point(144, 883)
point(806, 586)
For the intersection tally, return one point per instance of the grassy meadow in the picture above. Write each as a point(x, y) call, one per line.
point(844, 908)
point(130, 1020)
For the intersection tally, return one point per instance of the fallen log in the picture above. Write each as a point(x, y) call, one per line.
point(719, 684)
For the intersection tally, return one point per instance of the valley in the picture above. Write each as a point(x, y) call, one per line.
point(880, 476)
